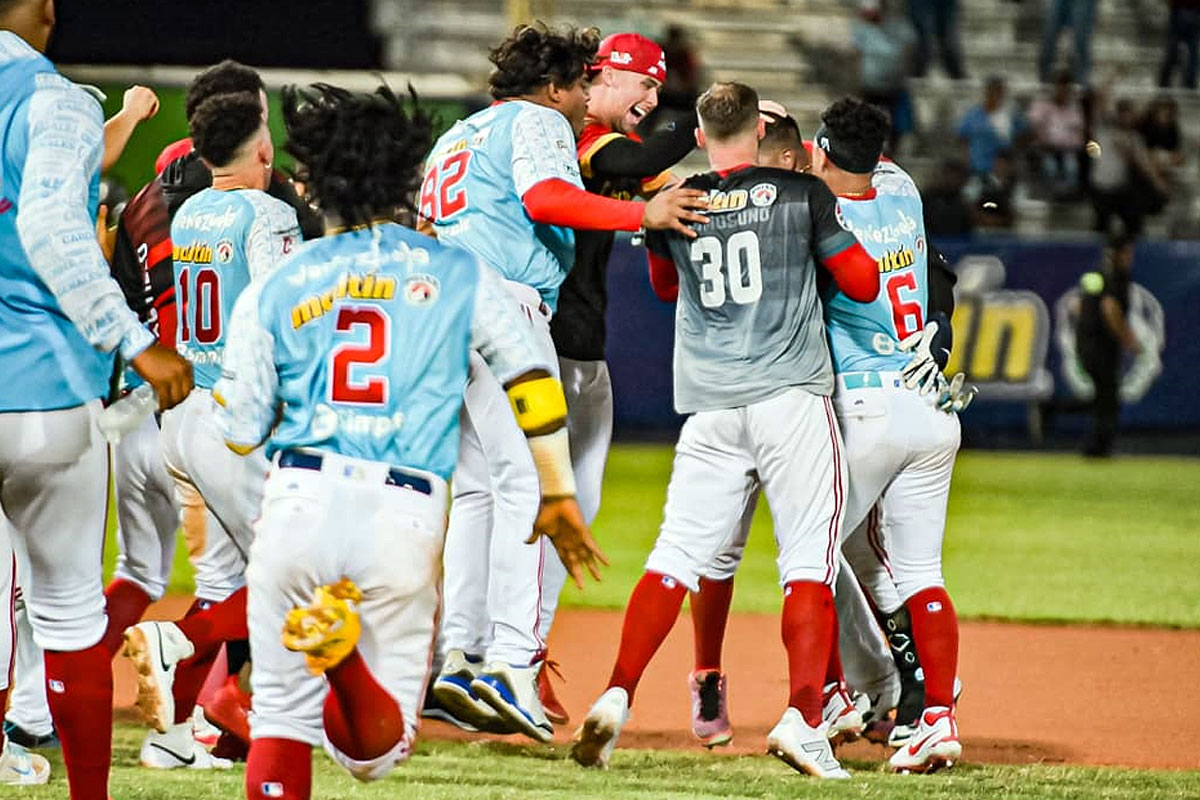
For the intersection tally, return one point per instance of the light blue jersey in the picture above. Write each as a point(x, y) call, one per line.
point(61, 314)
point(221, 240)
point(891, 227)
point(359, 344)
point(474, 181)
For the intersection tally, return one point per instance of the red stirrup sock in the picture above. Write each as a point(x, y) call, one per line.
point(651, 613)
point(80, 691)
point(279, 769)
point(218, 623)
point(935, 633)
point(710, 614)
point(362, 719)
point(807, 629)
point(125, 602)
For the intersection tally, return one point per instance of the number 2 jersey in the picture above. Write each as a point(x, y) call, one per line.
point(889, 223)
point(221, 240)
point(359, 345)
point(748, 322)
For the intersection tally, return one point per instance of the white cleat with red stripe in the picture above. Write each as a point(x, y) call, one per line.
point(933, 746)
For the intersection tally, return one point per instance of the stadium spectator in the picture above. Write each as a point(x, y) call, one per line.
point(1080, 17)
point(683, 70)
point(1059, 125)
point(1125, 183)
point(937, 19)
point(1159, 128)
point(994, 194)
point(991, 126)
point(1183, 30)
point(884, 42)
point(947, 212)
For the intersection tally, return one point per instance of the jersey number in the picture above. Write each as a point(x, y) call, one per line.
point(346, 385)
point(738, 260)
point(201, 303)
point(441, 195)
point(906, 314)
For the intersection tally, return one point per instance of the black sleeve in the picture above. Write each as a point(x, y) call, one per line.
point(127, 271)
point(941, 283)
point(625, 158)
point(656, 242)
point(311, 224)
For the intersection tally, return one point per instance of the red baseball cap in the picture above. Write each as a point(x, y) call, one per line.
point(631, 52)
point(171, 152)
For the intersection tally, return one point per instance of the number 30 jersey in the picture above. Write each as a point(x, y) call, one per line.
point(748, 321)
point(222, 239)
point(890, 225)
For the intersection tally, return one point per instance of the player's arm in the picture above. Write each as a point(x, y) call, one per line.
point(57, 233)
point(852, 268)
point(273, 235)
point(617, 156)
point(248, 389)
point(1118, 326)
point(501, 334)
point(138, 105)
point(664, 277)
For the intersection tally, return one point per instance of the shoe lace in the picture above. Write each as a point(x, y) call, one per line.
point(710, 697)
point(552, 666)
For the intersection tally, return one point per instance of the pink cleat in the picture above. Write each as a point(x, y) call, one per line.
point(710, 709)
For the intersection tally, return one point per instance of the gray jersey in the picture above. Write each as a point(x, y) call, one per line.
point(748, 323)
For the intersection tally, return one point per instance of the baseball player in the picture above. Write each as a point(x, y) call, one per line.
point(752, 371)
point(504, 184)
point(61, 318)
point(222, 237)
point(350, 363)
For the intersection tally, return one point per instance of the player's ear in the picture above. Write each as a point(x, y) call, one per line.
point(700, 138)
point(761, 127)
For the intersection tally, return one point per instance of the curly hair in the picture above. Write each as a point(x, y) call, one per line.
point(358, 154)
point(535, 55)
point(228, 77)
point(224, 123)
point(859, 128)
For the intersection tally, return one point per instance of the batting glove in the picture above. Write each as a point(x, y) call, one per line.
point(954, 396)
point(922, 370)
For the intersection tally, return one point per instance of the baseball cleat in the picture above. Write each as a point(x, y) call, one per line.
point(456, 701)
point(19, 767)
point(841, 717)
point(29, 740)
point(203, 731)
point(177, 749)
point(513, 692)
point(555, 712)
point(803, 748)
point(710, 709)
point(934, 746)
point(228, 710)
point(326, 630)
point(595, 741)
point(906, 723)
point(155, 649)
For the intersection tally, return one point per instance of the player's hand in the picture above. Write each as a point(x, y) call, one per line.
point(140, 102)
point(672, 209)
point(169, 373)
point(562, 523)
point(954, 396)
point(921, 372)
point(106, 237)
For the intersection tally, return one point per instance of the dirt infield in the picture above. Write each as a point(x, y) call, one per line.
point(1054, 694)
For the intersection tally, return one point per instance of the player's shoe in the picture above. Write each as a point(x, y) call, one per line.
point(19, 767)
point(203, 731)
point(231, 748)
point(228, 710)
point(907, 720)
point(881, 698)
point(513, 691)
point(595, 741)
point(555, 712)
point(803, 748)
point(178, 749)
point(327, 629)
point(710, 709)
point(155, 648)
point(453, 693)
point(934, 746)
point(30, 741)
point(842, 718)
point(432, 708)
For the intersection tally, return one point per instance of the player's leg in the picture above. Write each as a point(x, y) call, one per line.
point(588, 389)
point(54, 468)
point(869, 669)
point(798, 450)
point(711, 479)
point(28, 721)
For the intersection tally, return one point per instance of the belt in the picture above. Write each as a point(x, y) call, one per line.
point(298, 459)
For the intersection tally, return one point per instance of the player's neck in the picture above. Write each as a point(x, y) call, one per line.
point(847, 184)
point(724, 157)
point(249, 175)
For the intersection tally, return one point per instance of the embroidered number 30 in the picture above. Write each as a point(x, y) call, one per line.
point(739, 259)
point(348, 384)
point(441, 195)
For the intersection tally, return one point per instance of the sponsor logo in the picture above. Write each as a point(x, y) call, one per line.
point(195, 253)
point(357, 287)
point(619, 57)
point(224, 251)
point(328, 422)
point(763, 194)
point(892, 260)
point(421, 290)
point(722, 202)
point(898, 233)
point(206, 222)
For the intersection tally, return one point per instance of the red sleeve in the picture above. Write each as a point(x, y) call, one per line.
point(556, 202)
point(664, 278)
point(856, 273)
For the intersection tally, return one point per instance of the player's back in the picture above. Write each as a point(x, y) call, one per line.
point(371, 333)
point(475, 177)
point(890, 225)
point(218, 240)
point(748, 320)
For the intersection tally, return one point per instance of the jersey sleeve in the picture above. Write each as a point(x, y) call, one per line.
point(66, 143)
point(273, 235)
point(248, 388)
point(501, 333)
point(829, 237)
point(543, 147)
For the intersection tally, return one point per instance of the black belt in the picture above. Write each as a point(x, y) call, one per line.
point(298, 459)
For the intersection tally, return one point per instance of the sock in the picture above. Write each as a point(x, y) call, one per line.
point(218, 623)
point(807, 628)
point(80, 692)
point(935, 631)
point(833, 670)
point(191, 673)
point(217, 675)
point(649, 617)
point(897, 629)
point(362, 719)
point(710, 613)
point(278, 769)
point(125, 602)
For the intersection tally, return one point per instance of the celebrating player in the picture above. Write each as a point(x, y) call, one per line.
point(350, 363)
point(61, 315)
point(504, 185)
point(752, 371)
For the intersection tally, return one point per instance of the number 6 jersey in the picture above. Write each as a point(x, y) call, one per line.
point(748, 321)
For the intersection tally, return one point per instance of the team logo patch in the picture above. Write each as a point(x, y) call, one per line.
point(920, 244)
point(272, 789)
point(224, 251)
point(763, 195)
point(618, 57)
point(420, 290)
